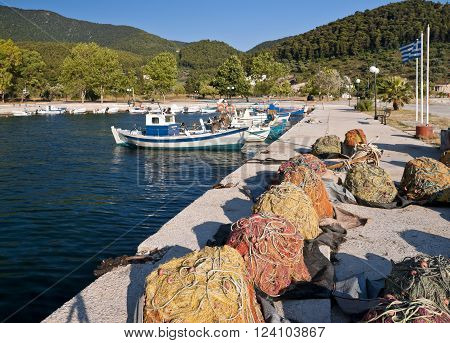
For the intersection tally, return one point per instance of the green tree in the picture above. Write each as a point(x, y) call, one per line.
point(108, 71)
point(231, 79)
point(179, 89)
point(327, 82)
point(266, 72)
point(206, 89)
point(78, 70)
point(160, 74)
point(10, 59)
point(282, 88)
point(90, 67)
point(30, 74)
point(395, 89)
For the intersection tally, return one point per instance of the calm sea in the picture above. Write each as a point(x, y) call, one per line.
point(69, 196)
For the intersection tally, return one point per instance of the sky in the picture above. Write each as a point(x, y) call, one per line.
point(240, 23)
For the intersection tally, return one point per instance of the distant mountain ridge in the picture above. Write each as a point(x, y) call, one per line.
point(44, 26)
point(385, 27)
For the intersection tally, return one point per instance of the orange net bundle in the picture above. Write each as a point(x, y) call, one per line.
point(355, 137)
point(313, 186)
point(307, 160)
point(291, 203)
point(272, 250)
point(211, 285)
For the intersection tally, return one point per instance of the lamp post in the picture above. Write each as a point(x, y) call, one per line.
point(230, 91)
point(357, 81)
point(375, 71)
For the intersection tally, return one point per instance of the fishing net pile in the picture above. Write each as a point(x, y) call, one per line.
point(313, 186)
point(391, 310)
point(426, 179)
point(206, 286)
point(307, 160)
point(421, 277)
point(355, 137)
point(272, 250)
point(370, 184)
point(327, 145)
point(291, 203)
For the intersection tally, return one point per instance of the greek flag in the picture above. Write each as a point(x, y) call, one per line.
point(411, 51)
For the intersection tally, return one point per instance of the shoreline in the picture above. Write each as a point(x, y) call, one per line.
point(388, 235)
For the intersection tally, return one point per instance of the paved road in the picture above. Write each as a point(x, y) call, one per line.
point(436, 109)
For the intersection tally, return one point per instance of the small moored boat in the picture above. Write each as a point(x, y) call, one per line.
point(51, 110)
point(81, 110)
point(138, 110)
point(21, 113)
point(162, 132)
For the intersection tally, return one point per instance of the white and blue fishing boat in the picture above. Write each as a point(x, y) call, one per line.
point(284, 114)
point(162, 132)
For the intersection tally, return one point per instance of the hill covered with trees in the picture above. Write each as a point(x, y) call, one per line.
point(45, 26)
point(372, 36)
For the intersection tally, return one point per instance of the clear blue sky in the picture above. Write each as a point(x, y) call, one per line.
point(240, 23)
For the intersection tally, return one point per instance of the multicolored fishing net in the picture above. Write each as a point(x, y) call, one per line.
point(426, 179)
point(391, 310)
point(272, 250)
point(211, 285)
point(421, 277)
point(307, 160)
point(291, 203)
point(370, 184)
point(313, 186)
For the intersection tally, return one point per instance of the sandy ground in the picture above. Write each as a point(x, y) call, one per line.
point(388, 235)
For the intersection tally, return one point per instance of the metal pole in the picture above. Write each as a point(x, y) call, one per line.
point(428, 73)
point(421, 77)
point(417, 89)
point(376, 114)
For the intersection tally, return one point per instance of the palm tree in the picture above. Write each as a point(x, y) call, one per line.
point(395, 89)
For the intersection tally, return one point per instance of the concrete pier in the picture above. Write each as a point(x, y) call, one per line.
point(388, 235)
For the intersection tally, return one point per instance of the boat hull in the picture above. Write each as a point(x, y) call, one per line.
point(227, 140)
point(257, 135)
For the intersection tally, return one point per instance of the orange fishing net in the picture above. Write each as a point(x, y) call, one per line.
point(354, 137)
point(272, 251)
point(313, 186)
point(426, 179)
point(291, 203)
point(211, 285)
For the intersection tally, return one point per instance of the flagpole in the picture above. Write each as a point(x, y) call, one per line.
point(417, 89)
point(428, 73)
point(421, 77)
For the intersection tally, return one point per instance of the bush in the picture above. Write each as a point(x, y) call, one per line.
point(364, 105)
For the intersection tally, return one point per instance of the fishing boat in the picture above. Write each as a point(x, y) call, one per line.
point(162, 132)
point(24, 113)
point(284, 114)
point(50, 110)
point(137, 110)
point(209, 110)
point(81, 110)
point(256, 134)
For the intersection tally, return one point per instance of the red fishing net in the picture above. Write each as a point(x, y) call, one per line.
point(272, 250)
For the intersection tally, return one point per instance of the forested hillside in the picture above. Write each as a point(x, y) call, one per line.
point(372, 36)
point(41, 26)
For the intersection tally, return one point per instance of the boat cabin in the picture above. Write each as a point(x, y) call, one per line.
point(161, 124)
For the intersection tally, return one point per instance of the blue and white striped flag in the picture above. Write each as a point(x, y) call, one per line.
point(411, 51)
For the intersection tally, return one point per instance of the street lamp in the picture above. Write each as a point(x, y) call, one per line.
point(375, 71)
point(230, 91)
